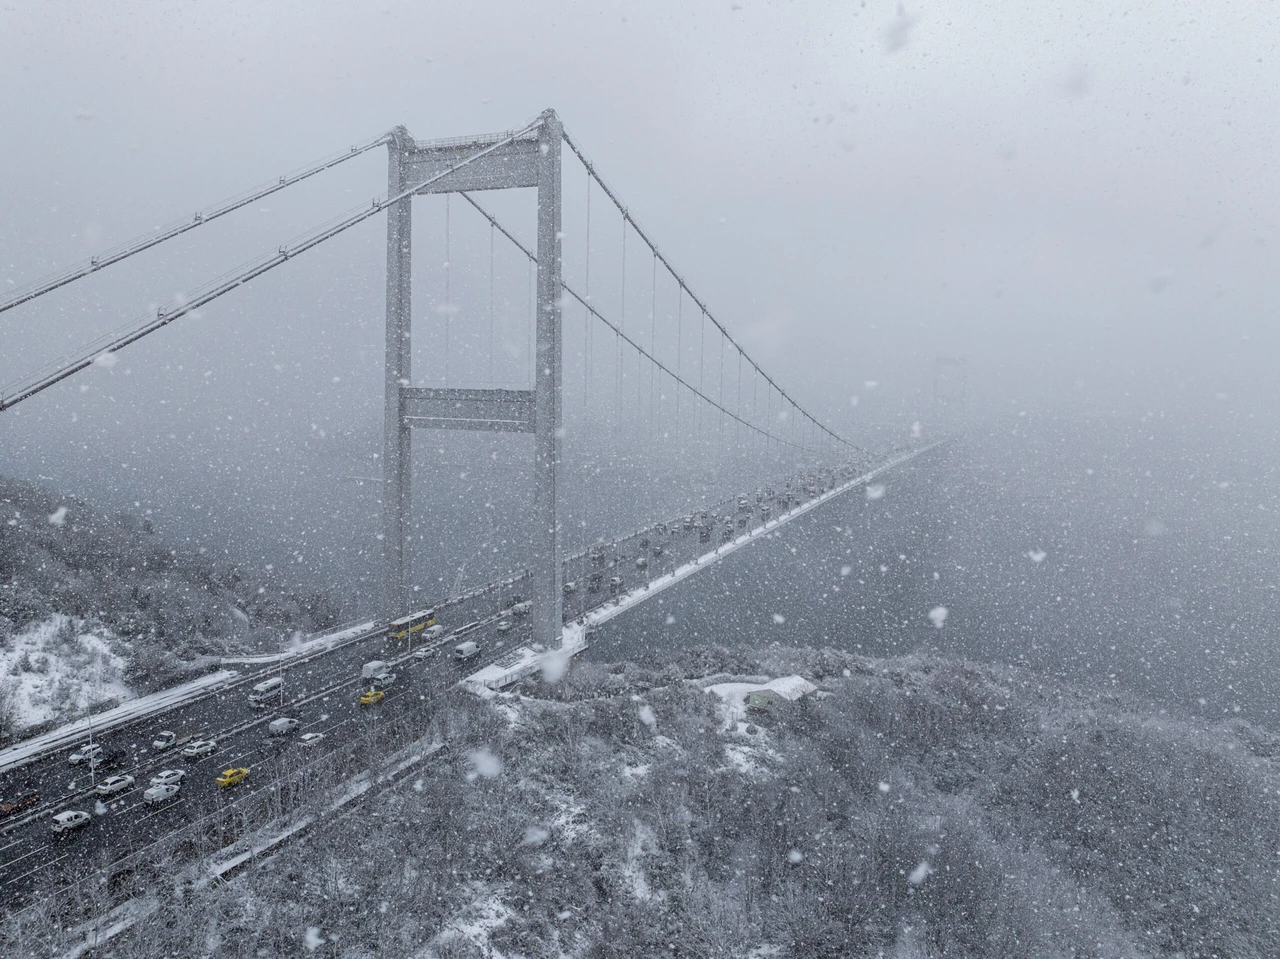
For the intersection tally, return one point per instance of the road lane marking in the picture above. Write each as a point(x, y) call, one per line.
point(44, 865)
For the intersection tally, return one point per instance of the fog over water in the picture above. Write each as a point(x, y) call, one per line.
point(1079, 200)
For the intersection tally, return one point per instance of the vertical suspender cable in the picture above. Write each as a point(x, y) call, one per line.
point(492, 231)
point(586, 316)
point(653, 341)
point(447, 306)
point(530, 318)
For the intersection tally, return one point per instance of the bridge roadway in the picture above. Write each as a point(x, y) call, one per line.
point(322, 692)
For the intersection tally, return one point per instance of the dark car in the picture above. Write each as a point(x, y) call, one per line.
point(17, 805)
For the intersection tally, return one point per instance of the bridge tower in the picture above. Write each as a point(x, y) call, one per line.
point(532, 160)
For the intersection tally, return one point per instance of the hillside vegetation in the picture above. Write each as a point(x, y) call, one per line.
point(155, 612)
point(908, 809)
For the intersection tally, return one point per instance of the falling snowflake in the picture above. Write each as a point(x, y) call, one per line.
point(875, 491)
point(1037, 555)
point(938, 616)
point(483, 764)
point(920, 873)
point(58, 516)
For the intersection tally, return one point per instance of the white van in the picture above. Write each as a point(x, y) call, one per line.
point(265, 691)
point(465, 650)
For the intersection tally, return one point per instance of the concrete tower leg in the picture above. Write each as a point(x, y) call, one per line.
point(547, 596)
point(396, 437)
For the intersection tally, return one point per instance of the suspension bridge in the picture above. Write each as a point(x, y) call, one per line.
point(650, 362)
point(659, 445)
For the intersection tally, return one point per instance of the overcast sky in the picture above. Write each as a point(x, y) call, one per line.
point(1080, 198)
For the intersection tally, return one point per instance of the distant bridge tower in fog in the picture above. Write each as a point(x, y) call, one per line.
point(529, 159)
point(950, 390)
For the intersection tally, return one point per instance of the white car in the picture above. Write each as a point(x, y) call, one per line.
point(87, 751)
point(283, 726)
point(504, 626)
point(158, 794)
point(310, 739)
point(169, 777)
point(112, 785)
point(71, 819)
point(433, 632)
point(200, 748)
point(164, 740)
point(424, 653)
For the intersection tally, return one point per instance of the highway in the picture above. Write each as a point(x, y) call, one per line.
point(322, 692)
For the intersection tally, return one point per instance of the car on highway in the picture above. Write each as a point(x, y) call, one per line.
point(17, 805)
point(85, 752)
point(371, 696)
point(433, 632)
point(107, 759)
point(164, 740)
point(310, 739)
point(158, 794)
point(521, 608)
point(230, 777)
point(169, 777)
point(112, 785)
point(283, 726)
point(465, 650)
point(425, 652)
point(266, 692)
point(69, 820)
point(199, 749)
point(570, 588)
point(505, 626)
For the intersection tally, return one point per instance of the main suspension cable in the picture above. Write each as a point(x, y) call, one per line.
point(37, 382)
point(628, 218)
point(616, 328)
point(100, 261)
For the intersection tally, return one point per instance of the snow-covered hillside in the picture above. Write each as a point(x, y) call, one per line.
point(782, 803)
point(58, 668)
point(94, 605)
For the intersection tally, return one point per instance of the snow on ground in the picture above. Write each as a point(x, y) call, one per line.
point(304, 647)
point(24, 752)
point(54, 670)
point(474, 925)
point(735, 694)
point(643, 843)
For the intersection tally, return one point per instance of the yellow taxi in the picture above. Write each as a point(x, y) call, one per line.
point(371, 696)
point(230, 777)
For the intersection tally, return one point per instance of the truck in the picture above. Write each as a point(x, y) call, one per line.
point(266, 691)
point(377, 671)
point(465, 650)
